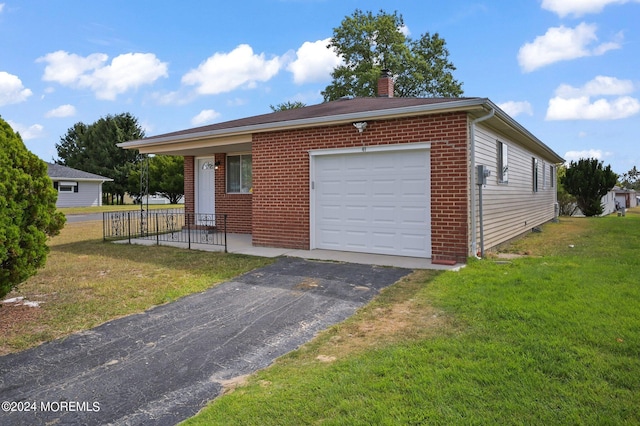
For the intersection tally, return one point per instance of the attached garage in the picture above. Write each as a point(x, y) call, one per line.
point(372, 200)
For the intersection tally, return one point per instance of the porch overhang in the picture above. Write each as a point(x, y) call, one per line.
point(198, 147)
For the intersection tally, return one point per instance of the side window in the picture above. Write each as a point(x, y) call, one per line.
point(503, 164)
point(552, 176)
point(534, 174)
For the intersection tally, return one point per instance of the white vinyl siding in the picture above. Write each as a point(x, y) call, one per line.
point(83, 194)
point(510, 210)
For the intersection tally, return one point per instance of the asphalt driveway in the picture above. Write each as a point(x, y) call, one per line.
point(162, 366)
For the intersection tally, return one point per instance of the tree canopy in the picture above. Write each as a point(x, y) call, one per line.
point(631, 179)
point(166, 178)
point(27, 210)
point(92, 148)
point(287, 105)
point(370, 43)
point(589, 181)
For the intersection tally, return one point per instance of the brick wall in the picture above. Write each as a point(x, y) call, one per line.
point(281, 178)
point(237, 207)
point(189, 185)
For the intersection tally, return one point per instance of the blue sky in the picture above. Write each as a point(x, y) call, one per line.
point(567, 70)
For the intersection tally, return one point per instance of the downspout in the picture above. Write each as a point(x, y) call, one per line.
point(472, 136)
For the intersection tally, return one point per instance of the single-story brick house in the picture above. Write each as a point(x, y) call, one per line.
point(76, 188)
point(378, 175)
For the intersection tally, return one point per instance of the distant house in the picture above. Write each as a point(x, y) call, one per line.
point(378, 175)
point(75, 187)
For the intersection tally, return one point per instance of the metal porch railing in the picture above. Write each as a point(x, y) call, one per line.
point(172, 226)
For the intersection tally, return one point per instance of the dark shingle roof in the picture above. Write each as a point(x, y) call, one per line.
point(326, 109)
point(57, 171)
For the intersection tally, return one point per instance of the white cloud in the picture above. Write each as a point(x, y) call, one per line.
point(588, 153)
point(62, 111)
point(1, 7)
point(583, 109)
point(224, 72)
point(579, 7)
point(125, 72)
point(27, 132)
point(11, 89)
point(404, 30)
point(515, 108)
point(314, 62)
point(575, 103)
point(205, 116)
point(563, 44)
point(601, 85)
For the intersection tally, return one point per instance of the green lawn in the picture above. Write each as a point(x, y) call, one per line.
point(549, 338)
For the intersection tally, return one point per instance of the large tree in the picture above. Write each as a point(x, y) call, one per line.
point(27, 211)
point(370, 43)
point(589, 181)
point(92, 148)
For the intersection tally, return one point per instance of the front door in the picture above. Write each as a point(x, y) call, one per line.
point(205, 191)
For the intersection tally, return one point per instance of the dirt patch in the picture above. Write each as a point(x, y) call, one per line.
point(386, 325)
point(14, 317)
point(233, 383)
point(307, 284)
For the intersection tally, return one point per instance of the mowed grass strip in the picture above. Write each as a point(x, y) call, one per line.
point(549, 338)
point(87, 282)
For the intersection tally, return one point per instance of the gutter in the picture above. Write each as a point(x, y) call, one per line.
point(472, 145)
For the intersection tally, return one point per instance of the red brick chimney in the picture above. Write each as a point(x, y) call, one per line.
point(385, 84)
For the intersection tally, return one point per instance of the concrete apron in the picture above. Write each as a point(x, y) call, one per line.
point(163, 365)
point(242, 244)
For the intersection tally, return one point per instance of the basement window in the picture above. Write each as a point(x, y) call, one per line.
point(239, 174)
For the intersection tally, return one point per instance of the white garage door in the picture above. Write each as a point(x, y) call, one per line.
point(374, 202)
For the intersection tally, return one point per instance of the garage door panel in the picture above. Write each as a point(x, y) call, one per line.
point(373, 202)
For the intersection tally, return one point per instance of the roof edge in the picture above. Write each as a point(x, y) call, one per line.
point(461, 105)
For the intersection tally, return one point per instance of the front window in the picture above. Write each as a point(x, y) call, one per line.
point(67, 186)
point(239, 174)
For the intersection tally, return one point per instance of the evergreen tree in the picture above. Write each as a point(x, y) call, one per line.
point(27, 211)
point(589, 181)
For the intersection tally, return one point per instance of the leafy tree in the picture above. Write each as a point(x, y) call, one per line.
point(287, 105)
point(566, 201)
point(368, 44)
point(166, 177)
point(92, 148)
point(631, 179)
point(27, 211)
point(589, 181)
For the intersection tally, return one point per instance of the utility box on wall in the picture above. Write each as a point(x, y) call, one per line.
point(483, 174)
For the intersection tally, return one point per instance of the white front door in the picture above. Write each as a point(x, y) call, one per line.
point(205, 190)
point(374, 202)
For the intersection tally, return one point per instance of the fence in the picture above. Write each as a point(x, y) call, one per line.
point(174, 226)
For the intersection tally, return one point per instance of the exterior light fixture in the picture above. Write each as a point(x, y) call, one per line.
point(217, 165)
point(360, 125)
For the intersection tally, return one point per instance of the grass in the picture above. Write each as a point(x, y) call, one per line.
point(549, 338)
point(87, 282)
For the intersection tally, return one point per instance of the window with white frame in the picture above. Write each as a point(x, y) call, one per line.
point(64, 186)
point(544, 175)
point(503, 165)
point(552, 176)
point(534, 174)
point(239, 174)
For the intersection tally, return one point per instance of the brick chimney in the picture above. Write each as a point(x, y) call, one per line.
point(385, 84)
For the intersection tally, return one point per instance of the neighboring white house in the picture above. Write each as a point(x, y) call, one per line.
point(76, 188)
